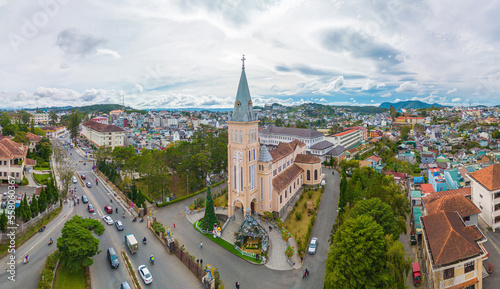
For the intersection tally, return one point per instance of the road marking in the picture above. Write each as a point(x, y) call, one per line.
point(494, 245)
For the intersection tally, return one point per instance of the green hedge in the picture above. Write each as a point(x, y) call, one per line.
point(188, 196)
point(47, 274)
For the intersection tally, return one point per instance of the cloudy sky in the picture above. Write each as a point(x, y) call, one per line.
point(186, 53)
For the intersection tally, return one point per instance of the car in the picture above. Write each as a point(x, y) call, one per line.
point(75, 180)
point(119, 225)
point(113, 258)
point(4, 205)
point(145, 275)
point(108, 209)
point(5, 196)
point(107, 219)
point(89, 185)
point(90, 208)
point(85, 199)
point(312, 246)
point(83, 177)
point(125, 285)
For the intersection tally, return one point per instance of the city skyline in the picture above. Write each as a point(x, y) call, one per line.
point(186, 54)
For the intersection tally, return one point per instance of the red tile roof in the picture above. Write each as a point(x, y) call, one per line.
point(450, 203)
point(33, 137)
point(489, 177)
point(10, 149)
point(345, 132)
point(466, 191)
point(449, 239)
point(29, 162)
point(307, 159)
point(283, 150)
point(283, 180)
point(426, 188)
point(295, 143)
point(374, 158)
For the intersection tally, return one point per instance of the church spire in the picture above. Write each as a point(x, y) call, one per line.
point(243, 109)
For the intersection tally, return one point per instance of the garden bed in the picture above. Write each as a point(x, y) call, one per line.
point(41, 178)
point(300, 222)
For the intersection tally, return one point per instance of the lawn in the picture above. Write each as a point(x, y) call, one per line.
point(299, 228)
point(177, 187)
point(227, 246)
point(42, 168)
point(41, 178)
point(66, 279)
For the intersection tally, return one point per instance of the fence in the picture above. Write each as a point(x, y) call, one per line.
point(190, 263)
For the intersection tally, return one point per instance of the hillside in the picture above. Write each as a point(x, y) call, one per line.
point(415, 104)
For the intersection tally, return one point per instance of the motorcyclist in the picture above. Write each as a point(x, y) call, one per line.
point(152, 258)
point(26, 258)
point(117, 210)
point(51, 240)
point(306, 273)
point(144, 240)
point(124, 214)
point(111, 200)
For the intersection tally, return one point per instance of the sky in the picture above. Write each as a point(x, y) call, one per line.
point(187, 53)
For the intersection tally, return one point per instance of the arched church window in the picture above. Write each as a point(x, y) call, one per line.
point(315, 175)
point(308, 175)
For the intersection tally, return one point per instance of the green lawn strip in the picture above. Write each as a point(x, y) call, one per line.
point(41, 178)
point(24, 236)
point(42, 168)
point(189, 196)
point(227, 246)
point(67, 279)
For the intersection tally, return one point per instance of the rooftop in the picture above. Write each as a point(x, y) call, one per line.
point(281, 181)
point(97, 126)
point(292, 131)
point(450, 203)
point(489, 177)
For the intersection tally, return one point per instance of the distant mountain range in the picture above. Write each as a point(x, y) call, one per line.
point(415, 104)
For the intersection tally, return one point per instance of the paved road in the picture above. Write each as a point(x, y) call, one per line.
point(234, 269)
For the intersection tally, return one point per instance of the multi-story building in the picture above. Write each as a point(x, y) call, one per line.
point(273, 135)
point(54, 131)
point(41, 118)
point(101, 119)
point(260, 180)
point(12, 159)
point(348, 139)
point(34, 139)
point(436, 179)
point(453, 252)
point(103, 135)
point(485, 186)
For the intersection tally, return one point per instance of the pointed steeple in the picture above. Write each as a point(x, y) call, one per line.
point(243, 108)
point(264, 155)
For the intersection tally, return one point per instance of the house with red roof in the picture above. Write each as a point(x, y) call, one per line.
point(374, 160)
point(485, 186)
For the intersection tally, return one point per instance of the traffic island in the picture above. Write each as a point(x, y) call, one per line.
point(131, 271)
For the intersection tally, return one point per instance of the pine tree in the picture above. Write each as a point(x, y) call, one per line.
point(208, 221)
point(26, 211)
point(42, 204)
point(34, 206)
point(3, 221)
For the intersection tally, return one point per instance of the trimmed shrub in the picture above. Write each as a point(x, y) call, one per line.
point(298, 216)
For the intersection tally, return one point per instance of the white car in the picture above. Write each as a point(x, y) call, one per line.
point(312, 246)
point(145, 275)
point(108, 220)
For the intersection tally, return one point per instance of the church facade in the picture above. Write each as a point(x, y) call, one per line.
point(260, 179)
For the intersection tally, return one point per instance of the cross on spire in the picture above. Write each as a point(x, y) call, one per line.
point(243, 61)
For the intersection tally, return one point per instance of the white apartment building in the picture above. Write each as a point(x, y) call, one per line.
point(41, 118)
point(348, 139)
point(274, 135)
point(103, 135)
point(485, 193)
point(12, 157)
point(54, 131)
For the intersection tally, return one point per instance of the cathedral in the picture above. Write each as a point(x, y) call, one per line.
point(259, 178)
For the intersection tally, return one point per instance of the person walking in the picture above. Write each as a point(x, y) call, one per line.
point(201, 246)
point(201, 262)
point(237, 285)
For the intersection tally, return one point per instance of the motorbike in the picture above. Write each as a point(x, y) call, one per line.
point(78, 201)
point(26, 260)
point(134, 220)
point(142, 220)
point(306, 274)
point(117, 210)
point(144, 242)
point(124, 215)
point(111, 200)
point(152, 261)
point(50, 242)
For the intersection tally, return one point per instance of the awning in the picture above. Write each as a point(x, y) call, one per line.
point(466, 284)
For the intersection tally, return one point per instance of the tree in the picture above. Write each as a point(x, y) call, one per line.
point(32, 126)
point(278, 122)
point(405, 130)
point(356, 258)
point(77, 244)
point(74, 122)
point(9, 129)
point(3, 221)
point(21, 137)
point(392, 112)
point(397, 266)
point(53, 117)
point(381, 212)
point(25, 117)
point(34, 207)
point(334, 129)
point(495, 134)
point(5, 120)
point(209, 219)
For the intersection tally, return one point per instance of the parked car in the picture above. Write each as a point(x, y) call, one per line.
point(312, 246)
point(89, 185)
point(125, 285)
point(91, 208)
point(75, 180)
point(119, 225)
point(107, 219)
point(83, 177)
point(84, 199)
point(145, 275)
point(108, 209)
point(4, 205)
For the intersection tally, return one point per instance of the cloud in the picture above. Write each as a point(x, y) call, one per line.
point(369, 84)
point(380, 85)
point(451, 91)
point(74, 42)
point(386, 94)
point(108, 52)
point(409, 87)
point(458, 99)
point(139, 88)
point(334, 86)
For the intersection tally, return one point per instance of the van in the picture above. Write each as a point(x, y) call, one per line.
point(113, 258)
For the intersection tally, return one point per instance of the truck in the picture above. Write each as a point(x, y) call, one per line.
point(131, 243)
point(415, 266)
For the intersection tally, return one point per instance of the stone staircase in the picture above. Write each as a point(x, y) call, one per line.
point(232, 227)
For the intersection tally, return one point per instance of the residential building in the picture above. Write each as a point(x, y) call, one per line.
point(34, 139)
point(103, 135)
point(101, 119)
point(12, 159)
point(426, 158)
point(321, 148)
point(115, 112)
point(436, 179)
point(261, 180)
point(452, 203)
point(485, 184)
point(53, 132)
point(337, 152)
point(453, 252)
point(375, 161)
point(41, 118)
